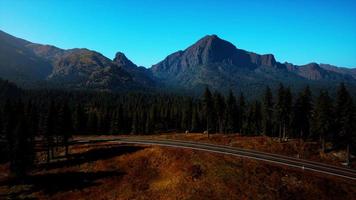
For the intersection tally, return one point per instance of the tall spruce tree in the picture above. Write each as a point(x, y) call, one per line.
point(49, 130)
point(22, 152)
point(231, 114)
point(267, 112)
point(283, 109)
point(288, 100)
point(323, 118)
point(65, 126)
point(241, 114)
point(257, 116)
point(302, 114)
point(208, 109)
point(187, 114)
point(80, 119)
point(280, 111)
point(92, 125)
point(219, 105)
point(195, 120)
point(115, 121)
point(345, 119)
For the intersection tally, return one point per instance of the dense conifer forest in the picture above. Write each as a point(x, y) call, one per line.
point(53, 117)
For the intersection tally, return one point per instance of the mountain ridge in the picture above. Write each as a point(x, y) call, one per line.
point(211, 61)
point(77, 68)
point(218, 64)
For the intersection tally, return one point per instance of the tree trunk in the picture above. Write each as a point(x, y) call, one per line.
point(52, 152)
point(322, 140)
point(67, 150)
point(348, 155)
point(48, 154)
point(207, 126)
point(301, 134)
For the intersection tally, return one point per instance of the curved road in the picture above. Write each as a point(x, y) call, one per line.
point(252, 154)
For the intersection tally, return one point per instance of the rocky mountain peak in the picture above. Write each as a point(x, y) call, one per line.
point(121, 60)
point(209, 49)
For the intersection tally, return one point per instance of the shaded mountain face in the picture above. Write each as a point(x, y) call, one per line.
point(27, 63)
point(218, 64)
point(140, 75)
point(19, 63)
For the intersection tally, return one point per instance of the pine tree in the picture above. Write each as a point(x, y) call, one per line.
point(257, 116)
point(187, 115)
point(195, 120)
point(241, 114)
point(22, 152)
point(150, 121)
point(65, 126)
point(208, 109)
point(280, 109)
point(267, 112)
point(219, 107)
point(80, 119)
point(1, 126)
point(135, 123)
point(49, 130)
point(9, 123)
point(323, 118)
point(288, 112)
point(115, 118)
point(231, 114)
point(302, 114)
point(345, 119)
point(92, 122)
point(283, 110)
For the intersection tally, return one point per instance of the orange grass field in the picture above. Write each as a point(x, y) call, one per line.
point(117, 171)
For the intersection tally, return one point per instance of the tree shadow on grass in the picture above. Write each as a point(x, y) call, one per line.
point(90, 156)
point(54, 183)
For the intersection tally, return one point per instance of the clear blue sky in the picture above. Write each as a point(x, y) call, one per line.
point(298, 31)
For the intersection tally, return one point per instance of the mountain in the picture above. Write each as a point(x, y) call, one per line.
point(211, 62)
point(34, 65)
point(340, 70)
point(218, 64)
point(140, 75)
point(19, 63)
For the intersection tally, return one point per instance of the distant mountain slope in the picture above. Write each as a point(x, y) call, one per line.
point(340, 70)
point(33, 64)
point(20, 64)
point(220, 65)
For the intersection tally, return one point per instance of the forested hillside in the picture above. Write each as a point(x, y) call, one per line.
point(55, 116)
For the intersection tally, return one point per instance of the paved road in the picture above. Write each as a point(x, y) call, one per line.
point(256, 155)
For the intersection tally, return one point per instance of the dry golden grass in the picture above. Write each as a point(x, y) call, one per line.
point(108, 171)
point(293, 147)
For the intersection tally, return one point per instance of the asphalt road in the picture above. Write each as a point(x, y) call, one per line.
point(251, 154)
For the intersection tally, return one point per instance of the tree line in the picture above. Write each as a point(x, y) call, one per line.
point(52, 117)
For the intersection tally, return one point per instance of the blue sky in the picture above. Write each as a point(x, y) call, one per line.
point(298, 31)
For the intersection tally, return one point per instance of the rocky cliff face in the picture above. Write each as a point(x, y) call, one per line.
point(218, 64)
